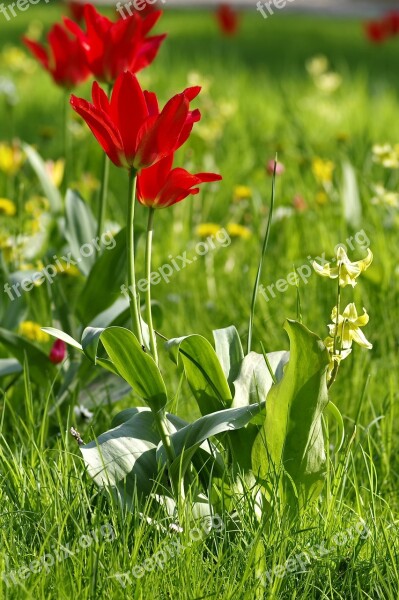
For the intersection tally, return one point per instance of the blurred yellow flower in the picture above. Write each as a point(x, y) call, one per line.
point(317, 65)
point(242, 192)
point(385, 197)
point(236, 230)
point(7, 207)
point(11, 158)
point(346, 270)
point(321, 198)
point(328, 82)
point(55, 170)
point(66, 269)
point(36, 205)
point(32, 331)
point(207, 229)
point(323, 170)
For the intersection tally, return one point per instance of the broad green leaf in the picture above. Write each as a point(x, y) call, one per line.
point(187, 440)
point(80, 231)
point(50, 191)
point(40, 367)
point(291, 439)
point(103, 285)
point(203, 371)
point(57, 333)
point(229, 351)
point(254, 380)
point(9, 366)
point(135, 365)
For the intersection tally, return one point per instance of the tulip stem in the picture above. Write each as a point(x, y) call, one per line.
point(66, 141)
point(102, 201)
point(148, 253)
point(131, 272)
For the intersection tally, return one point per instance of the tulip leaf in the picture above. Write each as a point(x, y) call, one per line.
point(80, 231)
point(9, 366)
point(254, 380)
point(50, 191)
point(291, 439)
point(203, 371)
point(129, 360)
point(58, 334)
point(229, 352)
point(186, 441)
point(107, 275)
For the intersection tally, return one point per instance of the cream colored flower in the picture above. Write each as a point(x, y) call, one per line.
point(346, 270)
point(345, 328)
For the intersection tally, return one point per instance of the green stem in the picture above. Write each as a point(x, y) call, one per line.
point(131, 273)
point(148, 253)
point(66, 141)
point(102, 202)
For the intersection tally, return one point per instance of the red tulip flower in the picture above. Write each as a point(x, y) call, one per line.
point(161, 186)
point(228, 20)
point(57, 352)
point(112, 48)
point(76, 10)
point(376, 31)
point(131, 129)
point(391, 22)
point(64, 59)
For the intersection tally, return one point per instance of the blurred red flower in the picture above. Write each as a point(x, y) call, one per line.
point(228, 19)
point(391, 22)
point(376, 31)
point(130, 127)
point(161, 186)
point(76, 10)
point(64, 58)
point(57, 352)
point(111, 48)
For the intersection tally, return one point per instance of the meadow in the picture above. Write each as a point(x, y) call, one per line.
point(315, 92)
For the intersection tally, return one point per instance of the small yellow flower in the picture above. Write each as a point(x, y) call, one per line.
point(346, 328)
point(242, 192)
point(32, 331)
point(236, 230)
point(66, 269)
point(36, 205)
point(11, 158)
point(55, 170)
point(337, 357)
point(323, 170)
point(207, 229)
point(346, 270)
point(321, 198)
point(7, 207)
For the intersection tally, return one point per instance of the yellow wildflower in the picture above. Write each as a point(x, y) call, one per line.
point(207, 229)
point(7, 207)
point(346, 328)
point(386, 155)
point(55, 170)
point(32, 331)
point(346, 270)
point(385, 197)
point(323, 170)
point(242, 192)
point(11, 158)
point(321, 198)
point(236, 230)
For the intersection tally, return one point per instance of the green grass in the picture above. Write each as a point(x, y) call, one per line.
point(46, 499)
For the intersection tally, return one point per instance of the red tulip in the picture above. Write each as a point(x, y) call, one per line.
point(64, 59)
point(112, 48)
point(228, 20)
point(77, 10)
point(391, 22)
point(376, 31)
point(57, 352)
point(130, 128)
point(161, 186)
